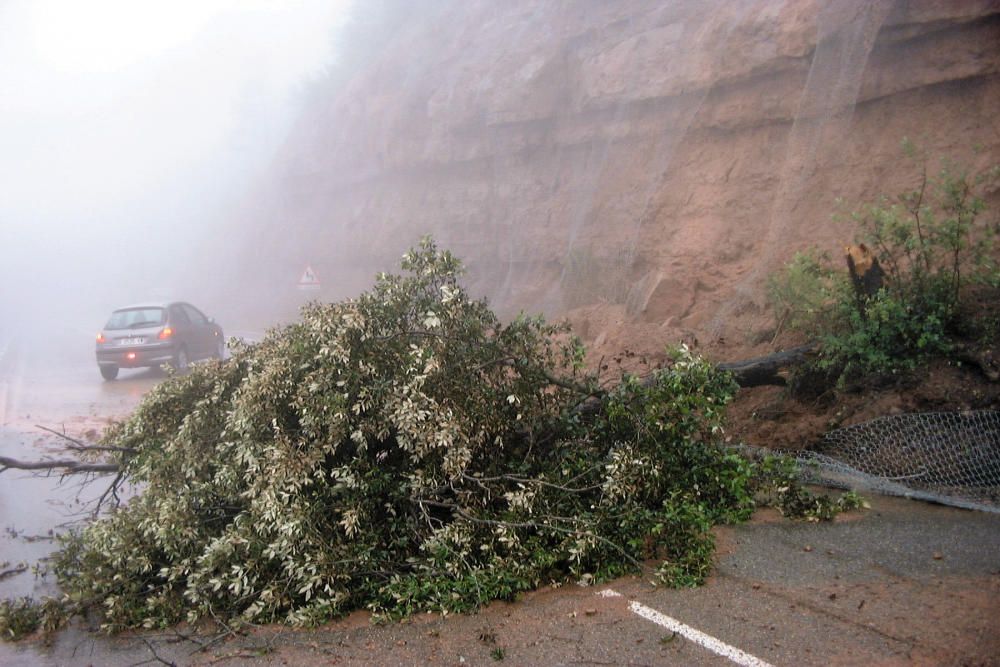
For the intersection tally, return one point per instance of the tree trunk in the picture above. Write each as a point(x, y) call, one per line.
point(765, 370)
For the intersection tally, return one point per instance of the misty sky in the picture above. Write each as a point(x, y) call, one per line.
point(128, 126)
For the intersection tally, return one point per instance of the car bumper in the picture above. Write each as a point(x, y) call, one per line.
point(135, 357)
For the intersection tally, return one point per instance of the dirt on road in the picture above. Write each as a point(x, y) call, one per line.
point(900, 584)
point(904, 583)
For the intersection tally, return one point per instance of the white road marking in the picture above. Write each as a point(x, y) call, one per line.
point(707, 641)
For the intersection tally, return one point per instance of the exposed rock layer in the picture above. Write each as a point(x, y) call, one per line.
point(640, 166)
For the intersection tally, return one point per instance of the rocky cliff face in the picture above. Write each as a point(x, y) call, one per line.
point(637, 165)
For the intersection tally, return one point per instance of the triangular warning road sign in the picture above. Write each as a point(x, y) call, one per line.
point(308, 279)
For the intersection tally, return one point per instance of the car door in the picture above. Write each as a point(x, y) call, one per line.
point(183, 330)
point(201, 330)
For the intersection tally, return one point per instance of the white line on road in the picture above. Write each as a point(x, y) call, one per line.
point(698, 637)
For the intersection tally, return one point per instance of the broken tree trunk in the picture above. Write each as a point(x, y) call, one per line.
point(867, 276)
point(982, 359)
point(765, 370)
point(67, 466)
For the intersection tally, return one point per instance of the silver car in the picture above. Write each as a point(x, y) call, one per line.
point(153, 334)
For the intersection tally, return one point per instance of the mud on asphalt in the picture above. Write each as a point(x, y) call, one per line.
point(903, 583)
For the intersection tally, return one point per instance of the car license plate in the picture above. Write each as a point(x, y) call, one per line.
point(131, 341)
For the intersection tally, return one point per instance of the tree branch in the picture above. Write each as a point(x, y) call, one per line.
point(11, 572)
point(572, 386)
point(764, 370)
point(748, 373)
point(530, 525)
point(67, 466)
point(80, 446)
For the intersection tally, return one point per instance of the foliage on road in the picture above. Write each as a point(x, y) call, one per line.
point(402, 452)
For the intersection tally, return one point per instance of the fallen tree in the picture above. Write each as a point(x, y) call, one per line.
point(403, 451)
point(766, 370)
point(758, 371)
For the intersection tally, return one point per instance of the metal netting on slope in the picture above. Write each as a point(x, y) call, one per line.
point(947, 457)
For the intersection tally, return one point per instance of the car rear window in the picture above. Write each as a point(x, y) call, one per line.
point(135, 318)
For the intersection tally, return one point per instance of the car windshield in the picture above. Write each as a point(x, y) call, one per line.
point(135, 318)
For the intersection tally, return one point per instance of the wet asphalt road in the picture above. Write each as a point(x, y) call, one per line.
point(903, 583)
point(50, 381)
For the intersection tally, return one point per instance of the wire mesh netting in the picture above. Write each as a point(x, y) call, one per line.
point(951, 458)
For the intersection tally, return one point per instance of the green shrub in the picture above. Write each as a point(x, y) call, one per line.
point(776, 484)
point(24, 616)
point(930, 241)
point(805, 295)
point(19, 618)
point(890, 336)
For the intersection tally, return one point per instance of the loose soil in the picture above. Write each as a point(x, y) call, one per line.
point(773, 417)
point(905, 583)
point(793, 419)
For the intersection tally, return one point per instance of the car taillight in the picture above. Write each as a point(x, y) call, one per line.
point(166, 333)
point(101, 338)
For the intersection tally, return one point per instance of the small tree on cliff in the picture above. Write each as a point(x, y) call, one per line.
point(931, 241)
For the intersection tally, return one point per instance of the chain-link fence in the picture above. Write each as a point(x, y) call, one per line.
point(951, 458)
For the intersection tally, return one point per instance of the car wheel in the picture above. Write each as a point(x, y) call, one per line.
point(109, 372)
point(181, 361)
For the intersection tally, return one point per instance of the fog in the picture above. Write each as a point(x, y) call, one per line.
point(629, 165)
point(128, 132)
point(639, 167)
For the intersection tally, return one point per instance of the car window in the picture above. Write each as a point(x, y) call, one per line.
point(194, 314)
point(178, 316)
point(135, 318)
